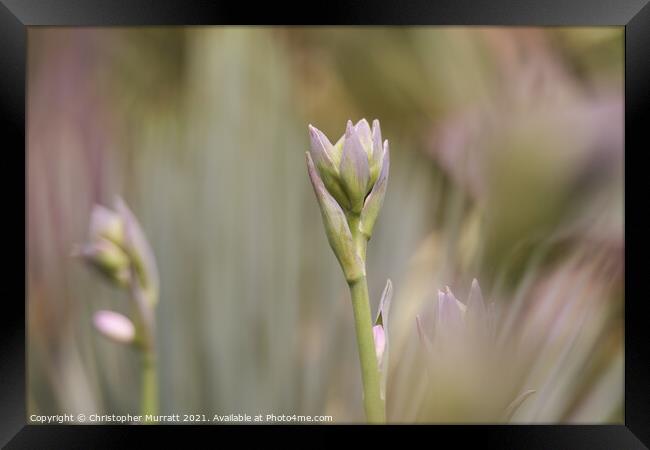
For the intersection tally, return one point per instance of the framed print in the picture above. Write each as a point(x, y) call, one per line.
point(369, 217)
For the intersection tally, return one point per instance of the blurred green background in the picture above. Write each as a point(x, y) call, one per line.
point(506, 165)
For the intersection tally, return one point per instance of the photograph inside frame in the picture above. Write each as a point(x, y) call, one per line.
point(302, 225)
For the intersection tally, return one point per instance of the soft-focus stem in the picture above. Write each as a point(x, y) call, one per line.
point(149, 399)
point(149, 366)
point(372, 401)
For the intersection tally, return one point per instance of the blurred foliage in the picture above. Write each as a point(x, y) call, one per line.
point(506, 165)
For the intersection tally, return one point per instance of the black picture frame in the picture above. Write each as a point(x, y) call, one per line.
point(17, 15)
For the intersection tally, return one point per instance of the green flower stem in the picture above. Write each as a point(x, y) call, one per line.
point(360, 241)
point(143, 301)
point(149, 399)
point(372, 401)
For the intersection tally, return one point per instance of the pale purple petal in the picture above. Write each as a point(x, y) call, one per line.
point(375, 200)
point(377, 148)
point(380, 341)
point(321, 149)
point(365, 136)
point(327, 161)
point(354, 169)
point(475, 303)
point(449, 312)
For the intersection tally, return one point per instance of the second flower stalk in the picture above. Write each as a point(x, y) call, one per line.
point(349, 179)
point(118, 249)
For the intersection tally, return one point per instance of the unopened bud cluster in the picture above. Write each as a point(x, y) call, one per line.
point(349, 179)
point(118, 249)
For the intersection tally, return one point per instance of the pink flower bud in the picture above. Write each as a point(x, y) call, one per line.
point(114, 326)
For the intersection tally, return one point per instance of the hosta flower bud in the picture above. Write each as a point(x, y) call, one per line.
point(138, 248)
point(117, 245)
point(327, 161)
point(108, 258)
point(106, 224)
point(114, 326)
point(352, 168)
point(380, 334)
point(381, 322)
point(336, 227)
point(375, 198)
